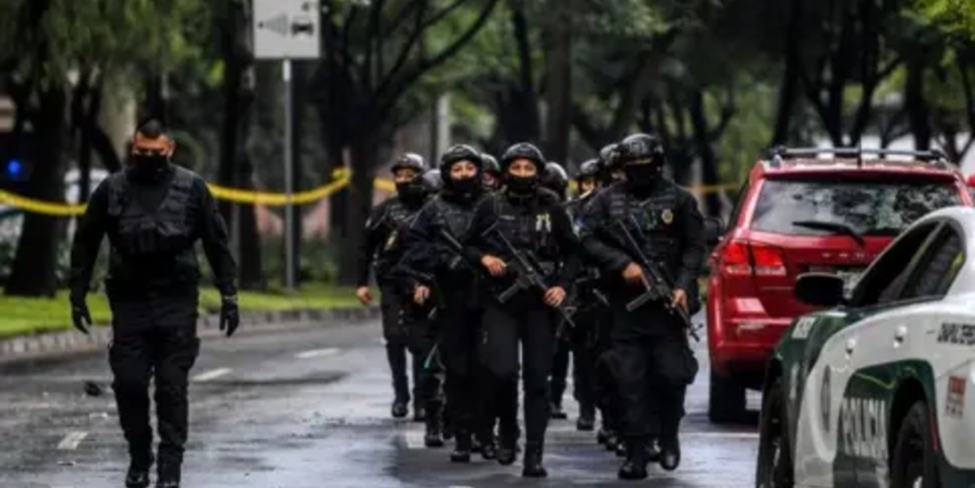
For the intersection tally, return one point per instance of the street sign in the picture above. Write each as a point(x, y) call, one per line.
point(286, 29)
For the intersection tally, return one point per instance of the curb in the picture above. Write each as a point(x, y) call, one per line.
point(72, 341)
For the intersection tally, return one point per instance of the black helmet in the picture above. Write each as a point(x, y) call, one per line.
point(431, 180)
point(589, 169)
point(490, 165)
point(555, 179)
point(640, 147)
point(523, 150)
point(608, 156)
point(410, 160)
point(461, 152)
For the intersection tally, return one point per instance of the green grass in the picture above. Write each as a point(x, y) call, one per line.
point(22, 316)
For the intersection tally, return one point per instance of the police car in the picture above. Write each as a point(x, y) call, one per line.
point(873, 392)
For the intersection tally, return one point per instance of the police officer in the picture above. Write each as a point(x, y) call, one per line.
point(557, 180)
point(382, 249)
point(532, 220)
point(490, 172)
point(610, 170)
point(457, 280)
point(153, 213)
point(650, 341)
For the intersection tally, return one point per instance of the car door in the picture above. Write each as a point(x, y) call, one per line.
point(888, 345)
point(834, 342)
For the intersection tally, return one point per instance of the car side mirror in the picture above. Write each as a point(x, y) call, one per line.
point(820, 289)
point(713, 230)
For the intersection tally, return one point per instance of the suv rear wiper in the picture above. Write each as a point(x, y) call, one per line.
point(832, 226)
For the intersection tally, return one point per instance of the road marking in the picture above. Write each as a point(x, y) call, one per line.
point(565, 434)
point(315, 353)
point(722, 435)
point(212, 374)
point(71, 441)
point(414, 440)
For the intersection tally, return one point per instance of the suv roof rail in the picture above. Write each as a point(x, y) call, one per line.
point(778, 153)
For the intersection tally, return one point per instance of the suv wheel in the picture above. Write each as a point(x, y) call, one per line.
point(914, 463)
point(726, 400)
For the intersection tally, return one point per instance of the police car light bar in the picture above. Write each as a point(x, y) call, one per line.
point(777, 154)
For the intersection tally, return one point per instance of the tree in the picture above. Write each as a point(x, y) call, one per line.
point(370, 83)
point(41, 43)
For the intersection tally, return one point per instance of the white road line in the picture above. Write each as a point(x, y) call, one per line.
point(212, 374)
point(414, 440)
point(722, 435)
point(316, 353)
point(71, 441)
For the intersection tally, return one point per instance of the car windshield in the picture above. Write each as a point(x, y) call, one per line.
point(868, 207)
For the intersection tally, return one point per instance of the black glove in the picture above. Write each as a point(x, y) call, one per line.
point(80, 316)
point(229, 315)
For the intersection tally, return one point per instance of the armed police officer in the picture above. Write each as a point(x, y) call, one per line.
point(648, 234)
point(442, 225)
point(609, 165)
point(519, 235)
point(382, 249)
point(556, 179)
point(490, 172)
point(153, 213)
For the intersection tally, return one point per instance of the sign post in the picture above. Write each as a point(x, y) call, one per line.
point(285, 30)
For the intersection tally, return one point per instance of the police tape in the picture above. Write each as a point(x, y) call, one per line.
point(252, 197)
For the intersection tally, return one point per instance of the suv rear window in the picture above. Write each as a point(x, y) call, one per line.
point(869, 207)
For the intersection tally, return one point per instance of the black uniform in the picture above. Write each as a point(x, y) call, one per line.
point(152, 225)
point(533, 221)
point(655, 361)
point(455, 285)
point(383, 248)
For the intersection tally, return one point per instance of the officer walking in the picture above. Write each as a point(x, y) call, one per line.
point(651, 343)
point(490, 172)
point(523, 221)
point(382, 249)
point(557, 180)
point(153, 213)
point(447, 218)
point(609, 165)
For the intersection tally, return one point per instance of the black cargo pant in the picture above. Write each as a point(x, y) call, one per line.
point(583, 343)
point(154, 338)
point(528, 322)
point(605, 386)
point(396, 334)
point(460, 329)
point(655, 366)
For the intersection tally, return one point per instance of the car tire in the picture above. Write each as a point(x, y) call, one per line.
point(774, 467)
point(914, 459)
point(726, 400)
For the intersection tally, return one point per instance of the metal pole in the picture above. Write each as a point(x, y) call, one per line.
point(289, 210)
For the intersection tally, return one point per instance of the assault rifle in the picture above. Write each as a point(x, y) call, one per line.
point(658, 285)
point(528, 277)
point(402, 270)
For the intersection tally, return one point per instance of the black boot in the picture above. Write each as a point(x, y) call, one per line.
point(507, 450)
point(462, 448)
point(533, 463)
point(434, 434)
point(587, 419)
point(612, 441)
point(653, 451)
point(475, 445)
point(602, 436)
point(169, 475)
point(399, 409)
point(138, 474)
point(489, 450)
point(635, 466)
point(556, 412)
point(670, 453)
point(419, 413)
point(622, 449)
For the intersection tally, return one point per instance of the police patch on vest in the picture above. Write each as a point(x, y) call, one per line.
point(667, 216)
point(543, 223)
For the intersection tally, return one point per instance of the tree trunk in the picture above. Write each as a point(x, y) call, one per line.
point(702, 141)
point(788, 90)
point(365, 154)
point(299, 91)
point(34, 269)
point(558, 89)
point(251, 268)
point(916, 106)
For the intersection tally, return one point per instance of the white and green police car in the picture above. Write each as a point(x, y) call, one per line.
point(873, 392)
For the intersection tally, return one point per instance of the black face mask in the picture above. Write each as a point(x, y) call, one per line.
point(642, 175)
point(465, 186)
point(410, 191)
point(148, 168)
point(520, 185)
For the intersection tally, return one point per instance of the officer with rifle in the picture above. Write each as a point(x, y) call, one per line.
point(519, 236)
point(439, 228)
point(381, 250)
point(648, 235)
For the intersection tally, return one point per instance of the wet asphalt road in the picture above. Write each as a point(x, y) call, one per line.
point(309, 408)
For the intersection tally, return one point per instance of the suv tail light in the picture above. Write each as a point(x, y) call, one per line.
point(743, 258)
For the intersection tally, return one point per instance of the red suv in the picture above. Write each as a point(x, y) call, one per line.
point(799, 213)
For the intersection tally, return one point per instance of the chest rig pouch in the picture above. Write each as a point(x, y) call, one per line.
point(529, 228)
point(653, 221)
point(166, 229)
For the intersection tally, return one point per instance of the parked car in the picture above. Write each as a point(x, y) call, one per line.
point(798, 213)
point(873, 392)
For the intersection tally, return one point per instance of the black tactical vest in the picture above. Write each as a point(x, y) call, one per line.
point(147, 239)
point(528, 226)
point(652, 221)
point(396, 223)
